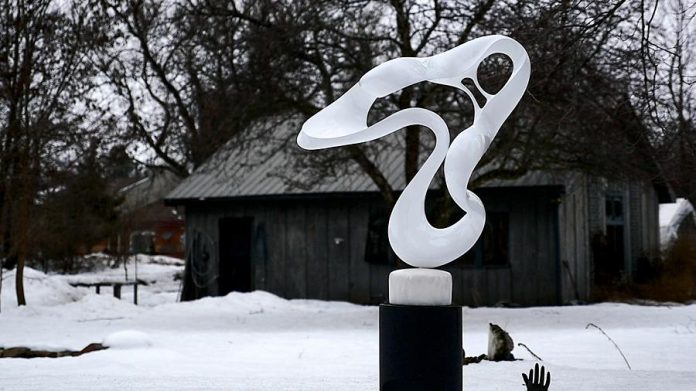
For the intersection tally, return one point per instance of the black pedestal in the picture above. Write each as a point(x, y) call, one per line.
point(420, 348)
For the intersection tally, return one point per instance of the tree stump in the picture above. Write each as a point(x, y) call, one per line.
point(500, 344)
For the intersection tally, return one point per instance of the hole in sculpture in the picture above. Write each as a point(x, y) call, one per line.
point(493, 72)
point(440, 209)
point(453, 105)
point(382, 108)
point(404, 98)
point(469, 84)
point(457, 110)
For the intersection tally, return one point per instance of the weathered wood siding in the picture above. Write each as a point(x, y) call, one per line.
point(574, 239)
point(315, 248)
point(531, 278)
point(641, 218)
point(646, 221)
point(643, 209)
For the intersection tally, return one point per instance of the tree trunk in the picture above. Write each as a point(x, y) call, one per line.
point(500, 344)
point(19, 282)
point(23, 228)
point(1, 267)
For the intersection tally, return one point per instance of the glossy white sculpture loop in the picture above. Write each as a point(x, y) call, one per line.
point(344, 122)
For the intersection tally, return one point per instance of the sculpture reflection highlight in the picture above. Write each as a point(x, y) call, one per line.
point(344, 122)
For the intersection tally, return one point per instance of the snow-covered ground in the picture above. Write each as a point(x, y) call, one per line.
point(258, 341)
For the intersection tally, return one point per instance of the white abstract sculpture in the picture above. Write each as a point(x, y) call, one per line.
point(344, 122)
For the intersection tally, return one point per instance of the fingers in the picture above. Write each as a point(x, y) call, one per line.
point(537, 377)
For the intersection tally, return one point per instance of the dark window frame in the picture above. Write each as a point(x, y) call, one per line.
point(378, 251)
point(614, 209)
point(475, 258)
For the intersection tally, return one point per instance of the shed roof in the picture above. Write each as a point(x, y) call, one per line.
point(263, 171)
point(148, 190)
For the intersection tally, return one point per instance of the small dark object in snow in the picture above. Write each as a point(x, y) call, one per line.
point(22, 352)
point(507, 304)
point(500, 344)
point(536, 381)
point(472, 360)
point(93, 347)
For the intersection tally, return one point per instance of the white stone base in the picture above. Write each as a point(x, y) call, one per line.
point(420, 287)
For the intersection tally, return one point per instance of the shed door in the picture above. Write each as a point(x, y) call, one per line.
point(610, 262)
point(235, 255)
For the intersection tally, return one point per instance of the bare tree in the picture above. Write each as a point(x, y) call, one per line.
point(577, 113)
point(191, 75)
point(42, 71)
point(182, 78)
point(668, 89)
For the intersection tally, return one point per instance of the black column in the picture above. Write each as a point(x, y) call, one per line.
point(420, 348)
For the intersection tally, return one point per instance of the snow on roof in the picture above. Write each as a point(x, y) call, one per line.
point(671, 217)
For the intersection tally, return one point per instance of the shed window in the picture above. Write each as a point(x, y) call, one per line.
point(142, 242)
point(377, 248)
point(493, 246)
point(614, 209)
point(495, 240)
point(609, 251)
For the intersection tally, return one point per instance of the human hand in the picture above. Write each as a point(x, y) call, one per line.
point(535, 382)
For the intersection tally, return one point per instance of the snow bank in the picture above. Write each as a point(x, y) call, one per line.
point(143, 267)
point(40, 289)
point(128, 339)
point(159, 260)
point(259, 341)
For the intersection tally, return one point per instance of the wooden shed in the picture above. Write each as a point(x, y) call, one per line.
point(548, 239)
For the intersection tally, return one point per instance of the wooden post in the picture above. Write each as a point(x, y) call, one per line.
point(135, 293)
point(117, 291)
point(98, 288)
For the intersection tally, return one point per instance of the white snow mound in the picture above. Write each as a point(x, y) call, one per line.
point(40, 289)
point(128, 339)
